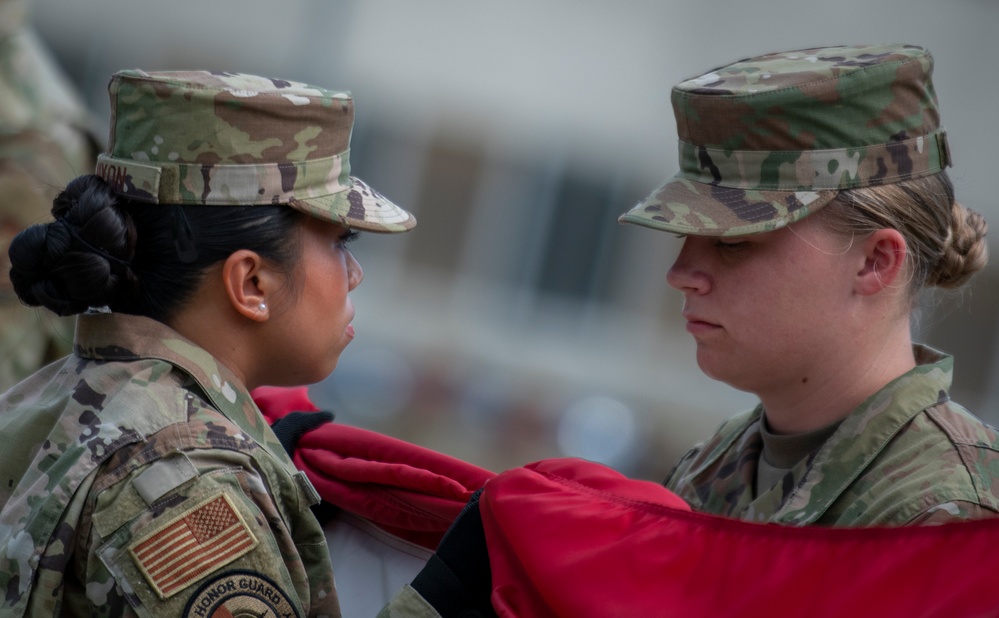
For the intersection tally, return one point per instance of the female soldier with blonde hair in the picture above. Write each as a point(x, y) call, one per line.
point(814, 207)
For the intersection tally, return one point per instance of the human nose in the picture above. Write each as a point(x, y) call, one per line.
point(685, 275)
point(354, 272)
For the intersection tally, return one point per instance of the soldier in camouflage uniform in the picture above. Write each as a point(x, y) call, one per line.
point(814, 207)
point(207, 257)
point(45, 141)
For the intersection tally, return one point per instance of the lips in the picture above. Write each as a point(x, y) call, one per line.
point(349, 330)
point(697, 324)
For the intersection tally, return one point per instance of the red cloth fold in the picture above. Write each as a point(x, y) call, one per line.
point(567, 538)
point(413, 492)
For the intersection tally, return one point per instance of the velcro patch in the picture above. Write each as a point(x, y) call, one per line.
point(240, 593)
point(202, 539)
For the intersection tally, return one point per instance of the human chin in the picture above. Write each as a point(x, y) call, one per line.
point(708, 361)
point(337, 348)
point(719, 365)
point(319, 371)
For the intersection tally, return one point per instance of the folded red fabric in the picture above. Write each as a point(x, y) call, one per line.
point(572, 538)
point(410, 491)
point(568, 537)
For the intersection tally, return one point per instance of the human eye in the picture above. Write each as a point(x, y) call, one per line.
point(347, 237)
point(731, 246)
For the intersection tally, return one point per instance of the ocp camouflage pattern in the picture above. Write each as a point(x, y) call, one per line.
point(203, 138)
point(407, 603)
point(133, 429)
point(45, 140)
point(768, 140)
point(907, 455)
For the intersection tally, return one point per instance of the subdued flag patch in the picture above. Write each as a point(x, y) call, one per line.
point(202, 539)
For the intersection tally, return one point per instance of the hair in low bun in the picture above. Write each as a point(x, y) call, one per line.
point(945, 241)
point(106, 250)
point(965, 254)
point(81, 259)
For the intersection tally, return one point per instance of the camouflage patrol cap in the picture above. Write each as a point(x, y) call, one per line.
point(768, 140)
point(204, 138)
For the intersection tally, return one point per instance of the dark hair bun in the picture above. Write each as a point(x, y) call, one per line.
point(80, 260)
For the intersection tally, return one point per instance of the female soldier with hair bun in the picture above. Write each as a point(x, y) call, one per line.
point(814, 208)
point(206, 257)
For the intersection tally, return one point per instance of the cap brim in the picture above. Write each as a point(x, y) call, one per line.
point(687, 207)
point(359, 207)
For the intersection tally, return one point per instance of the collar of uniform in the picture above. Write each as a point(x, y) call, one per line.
point(725, 486)
point(121, 337)
point(866, 432)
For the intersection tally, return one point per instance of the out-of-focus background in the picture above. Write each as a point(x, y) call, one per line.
point(519, 320)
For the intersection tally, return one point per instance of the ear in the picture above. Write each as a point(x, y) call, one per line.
point(884, 254)
point(249, 283)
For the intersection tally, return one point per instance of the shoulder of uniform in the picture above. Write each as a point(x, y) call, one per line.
point(977, 445)
point(144, 394)
point(738, 423)
point(680, 469)
point(943, 456)
point(729, 432)
point(702, 455)
point(962, 427)
point(155, 396)
point(199, 427)
point(208, 541)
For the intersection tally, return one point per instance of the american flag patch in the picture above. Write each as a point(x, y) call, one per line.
point(200, 540)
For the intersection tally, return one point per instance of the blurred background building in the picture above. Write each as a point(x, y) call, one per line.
point(520, 320)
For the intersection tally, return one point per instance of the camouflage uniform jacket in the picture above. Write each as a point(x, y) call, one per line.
point(906, 455)
point(140, 479)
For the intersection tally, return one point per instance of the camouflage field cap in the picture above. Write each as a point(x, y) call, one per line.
point(203, 138)
point(768, 140)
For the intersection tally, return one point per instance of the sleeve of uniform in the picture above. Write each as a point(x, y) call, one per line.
point(408, 603)
point(207, 532)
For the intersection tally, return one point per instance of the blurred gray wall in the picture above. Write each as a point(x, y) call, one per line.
point(520, 321)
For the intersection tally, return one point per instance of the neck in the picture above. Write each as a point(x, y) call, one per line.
point(845, 382)
point(210, 323)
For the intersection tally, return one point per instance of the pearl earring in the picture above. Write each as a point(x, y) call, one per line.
point(263, 306)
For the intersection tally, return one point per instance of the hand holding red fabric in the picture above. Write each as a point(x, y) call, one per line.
point(413, 492)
